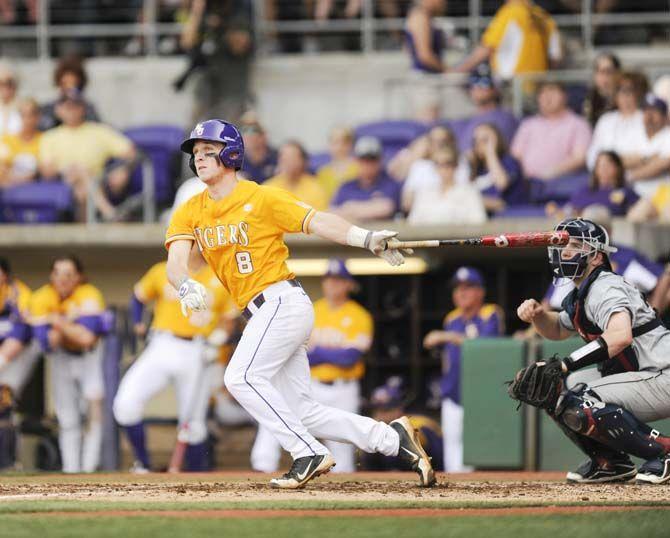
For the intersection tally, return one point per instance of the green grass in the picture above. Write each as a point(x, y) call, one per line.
point(45, 506)
point(649, 524)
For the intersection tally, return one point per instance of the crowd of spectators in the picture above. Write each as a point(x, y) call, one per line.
point(63, 140)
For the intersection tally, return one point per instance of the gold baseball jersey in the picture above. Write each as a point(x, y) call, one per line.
point(17, 294)
point(154, 286)
point(242, 235)
point(86, 300)
point(340, 338)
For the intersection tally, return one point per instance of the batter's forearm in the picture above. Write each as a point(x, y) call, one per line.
point(177, 262)
point(332, 227)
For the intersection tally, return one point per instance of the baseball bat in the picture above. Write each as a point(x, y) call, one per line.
point(506, 240)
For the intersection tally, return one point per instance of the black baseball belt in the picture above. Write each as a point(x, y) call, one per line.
point(259, 300)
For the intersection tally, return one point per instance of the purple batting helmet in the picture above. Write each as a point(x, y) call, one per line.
point(232, 154)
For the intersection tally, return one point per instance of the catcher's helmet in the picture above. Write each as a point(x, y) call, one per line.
point(592, 238)
point(232, 154)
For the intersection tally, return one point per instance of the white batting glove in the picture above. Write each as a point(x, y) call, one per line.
point(192, 296)
point(379, 241)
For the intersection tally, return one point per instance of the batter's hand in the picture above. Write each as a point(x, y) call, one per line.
point(378, 243)
point(192, 296)
point(529, 310)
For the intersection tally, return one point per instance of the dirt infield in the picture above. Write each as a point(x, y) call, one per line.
point(467, 490)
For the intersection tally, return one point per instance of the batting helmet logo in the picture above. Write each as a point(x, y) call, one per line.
point(199, 129)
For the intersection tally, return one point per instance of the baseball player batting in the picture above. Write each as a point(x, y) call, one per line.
point(602, 410)
point(237, 227)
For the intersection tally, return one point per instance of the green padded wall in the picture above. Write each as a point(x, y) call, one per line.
point(557, 452)
point(492, 427)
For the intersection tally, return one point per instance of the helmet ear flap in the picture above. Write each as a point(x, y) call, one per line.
point(191, 164)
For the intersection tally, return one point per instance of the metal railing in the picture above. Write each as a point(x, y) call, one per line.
point(367, 26)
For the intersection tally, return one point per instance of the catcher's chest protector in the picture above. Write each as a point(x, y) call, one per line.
point(574, 305)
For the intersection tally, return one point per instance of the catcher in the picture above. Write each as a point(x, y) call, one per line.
point(602, 410)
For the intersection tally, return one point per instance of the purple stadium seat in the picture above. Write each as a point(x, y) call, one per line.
point(39, 202)
point(557, 190)
point(393, 134)
point(160, 143)
point(317, 160)
point(520, 211)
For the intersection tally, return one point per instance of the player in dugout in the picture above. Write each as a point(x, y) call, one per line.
point(67, 320)
point(177, 351)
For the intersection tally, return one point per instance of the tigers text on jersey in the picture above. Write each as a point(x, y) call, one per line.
point(340, 338)
point(154, 286)
point(241, 235)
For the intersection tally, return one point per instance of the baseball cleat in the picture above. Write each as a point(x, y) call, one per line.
point(654, 471)
point(412, 452)
point(591, 472)
point(138, 468)
point(303, 470)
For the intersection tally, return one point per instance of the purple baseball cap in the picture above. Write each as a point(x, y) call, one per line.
point(467, 275)
point(654, 101)
point(338, 269)
point(390, 394)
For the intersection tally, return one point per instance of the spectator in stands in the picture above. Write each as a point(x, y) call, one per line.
point(470, 319)
point(69, 75)
point(78, 150)
point(450, 202)
point(423, 40)
point(632, 265)
point(371, 196)
point(342, 166)
point(10, 119)
point(260, 158)
point(601, 95)
point(607, 187)
point(413, 161)
point(389, 402)
point(554, 142)
point(219, 37)
point(485, 96)
point(662, 88)
point(19, 153)
point(648, 166)
point(521, 38)
point(494, 171)
point(8, 13)
point(621, 130)
point(293, 176)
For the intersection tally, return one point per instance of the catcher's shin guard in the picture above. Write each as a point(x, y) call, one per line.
point(582, 412)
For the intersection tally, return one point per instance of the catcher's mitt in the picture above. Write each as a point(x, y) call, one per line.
point(539, 385)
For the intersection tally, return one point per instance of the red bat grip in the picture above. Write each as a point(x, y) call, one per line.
point(527, 239)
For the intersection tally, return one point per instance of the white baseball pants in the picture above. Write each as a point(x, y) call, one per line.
point(345, 395)
point(166, 359)
point(269, 375)
point(77, 382)
point(17, 373)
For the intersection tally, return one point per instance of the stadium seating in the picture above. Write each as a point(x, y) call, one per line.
point(557, 190)
point(41, 202)
point(160, 143)
point(393, 134)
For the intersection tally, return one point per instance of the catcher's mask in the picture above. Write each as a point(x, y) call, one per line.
point(586, 239)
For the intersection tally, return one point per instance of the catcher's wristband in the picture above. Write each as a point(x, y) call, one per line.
point(592, 353)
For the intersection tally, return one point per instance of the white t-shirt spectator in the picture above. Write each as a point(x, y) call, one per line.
point(614, 132)
point(461, 204)
point(659, 145)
